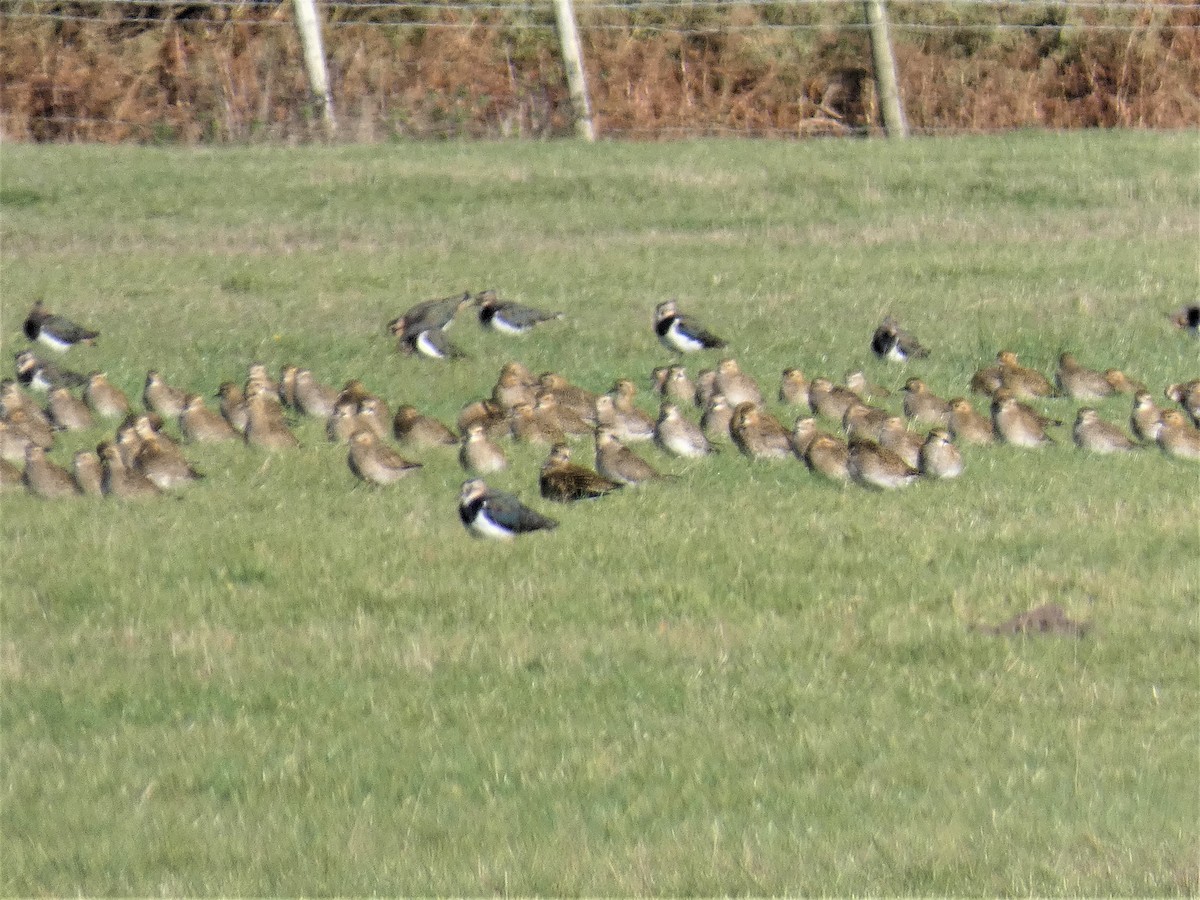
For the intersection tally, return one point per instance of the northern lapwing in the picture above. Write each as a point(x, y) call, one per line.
point(1188, 319)
point(874, 466)
point(39, 375)
point(893, 343)
point(498, 515)
point(1095, 435)
point(437, 315)
point(939, 457)
point(432, 343)
point(374, 462)
point(56, 332)
point(565, 482)
point(509, 317)
point(681, 333)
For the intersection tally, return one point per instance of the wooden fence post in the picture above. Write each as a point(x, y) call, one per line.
point(309, 27)
point(885, 70)
point(568, 37)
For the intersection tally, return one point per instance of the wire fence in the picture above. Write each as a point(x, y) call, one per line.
point(220, 70)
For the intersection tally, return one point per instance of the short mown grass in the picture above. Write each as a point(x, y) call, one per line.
point(743, 680)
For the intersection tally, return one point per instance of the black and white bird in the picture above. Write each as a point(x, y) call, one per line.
point(56, 332)
point(432, 343)
point(489, 513)
point(893, 343)
point(682, 333)
point(429, 314)
point(40, 375)
point(1188, 319)
point(509, 317)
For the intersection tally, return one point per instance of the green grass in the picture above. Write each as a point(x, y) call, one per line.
point(742, 681)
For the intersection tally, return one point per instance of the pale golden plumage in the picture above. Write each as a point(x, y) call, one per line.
point(618, 463)
point(793, 387)
point(680, 436)
point(374, 462)
point(118, 480)
point(1093, 434)
point(939, 458)
point(162, 398)
point(874, 466)
point(758, 434)
point(830, 400)
point(829, 457)
point(1178, 437)
point(88, 472)
point(565, 482)
point(1079, 382)
point(201, 425)
point(923, 406)
point(104, 399)
point(479, 454)
point(412, 427)
point(67, 411)
point(44, 478)
point(736, 385)
point(967, 425)
point(1146, 417)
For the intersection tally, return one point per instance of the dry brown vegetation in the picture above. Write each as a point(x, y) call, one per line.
point(198, 73)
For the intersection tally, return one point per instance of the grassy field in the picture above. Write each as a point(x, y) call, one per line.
point(744, 680)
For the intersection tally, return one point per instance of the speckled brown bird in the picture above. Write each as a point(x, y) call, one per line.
point(1177, 437)
point(491, 415)
point(1079, 382)
point(857, 382)
point(968, 426)
point(706, 387)
point(344, 422)
point(1146, 417)
point(103, 398)
point(830, 400)
point(44, 478)
point(863, 421)
point(565, 418)
point(233, 406)
point(265, 426)
point(1016, 423)
point(1093, 434)
point(939, 458)
point(1122, 383)
point(569, 396)
point(736, 385)
point(758, 434)
point(565, 482)
point(635, 424)
point(67, 412)
point(529, 426)
point(35, 427)
point(1187, 395)
point(413, 428)
point(515, 385)
point(375, 463)
point(895, 436)
point(312, 398)
point(201, 425)
point(11, 477)
point(13, 442)
point(793, 387)
point(479, 454)
point(828, 457)
point(162, 398)
point(162, 463)
point(680, 436)
point(121, 482)
point(88, 472)
point(629, 425)
point(618, 463)
point(1024, 383)
point(923, 406)
point(874, 466)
